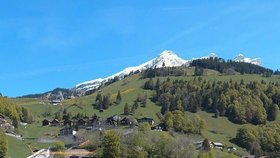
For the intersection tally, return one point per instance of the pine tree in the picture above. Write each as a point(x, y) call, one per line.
point(133, 108)
point(64, 111)
point(118, 98)
point(126, 109)
point(149, 84)
point(105, 102)
point(206, 145)
point(198, 71)
point(99, 101)
point(157, 86)
point(135, 104)
point(144, 101)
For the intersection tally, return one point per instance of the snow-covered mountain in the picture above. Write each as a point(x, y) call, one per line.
point(167, 57)
point(242, 58)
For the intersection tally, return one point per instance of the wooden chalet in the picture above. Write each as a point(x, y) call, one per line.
point(94, 121)
point(45, 122)
point(145, 119)
point(66, 131)
point(55, 122)
point(67, 122)
point(127, 121)
point(81, 122)
point(113, 120)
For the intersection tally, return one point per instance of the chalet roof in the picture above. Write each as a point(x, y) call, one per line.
point(85, 117)
point(217, 144)
point(115, 117)
point(145, 118)
point(125, 118)
point(81, 119)
point(84, 143)
point(55, 120)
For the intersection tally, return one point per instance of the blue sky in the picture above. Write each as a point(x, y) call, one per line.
point(49, 44)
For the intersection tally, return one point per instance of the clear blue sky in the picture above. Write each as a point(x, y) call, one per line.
point(59, 43)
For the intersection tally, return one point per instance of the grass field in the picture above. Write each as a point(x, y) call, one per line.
point(218, 129)
point(17, 148)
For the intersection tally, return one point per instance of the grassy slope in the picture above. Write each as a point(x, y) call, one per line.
point(17, 148)
point(129, 87)
point(219, 129)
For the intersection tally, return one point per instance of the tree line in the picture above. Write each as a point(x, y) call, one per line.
point(228, 66)
point(164, 71)
point(253, 102)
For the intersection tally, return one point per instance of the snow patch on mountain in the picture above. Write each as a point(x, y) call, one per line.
point(242, 58)
point(211, 55)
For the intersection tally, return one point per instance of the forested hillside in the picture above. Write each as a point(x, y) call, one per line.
point(187, 101)
point(241, 102)
point(14, 112)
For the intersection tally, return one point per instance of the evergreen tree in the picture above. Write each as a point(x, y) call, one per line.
point(206, 145)
point(144, 101)
point(198, 71)
point(118, 98)
point(133, 108)
point(136, 105)
point(64, 111)
point(149, 84)
point(157, 86)
point(126, 109)
point(99, 101)
point(105, 102)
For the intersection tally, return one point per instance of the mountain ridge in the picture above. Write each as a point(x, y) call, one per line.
point(167, 58)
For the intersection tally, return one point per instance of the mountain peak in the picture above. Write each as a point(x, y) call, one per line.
point(213, 55)
point(241, 58)
point(167, 53)
point(240, 55)
point(169, 58)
